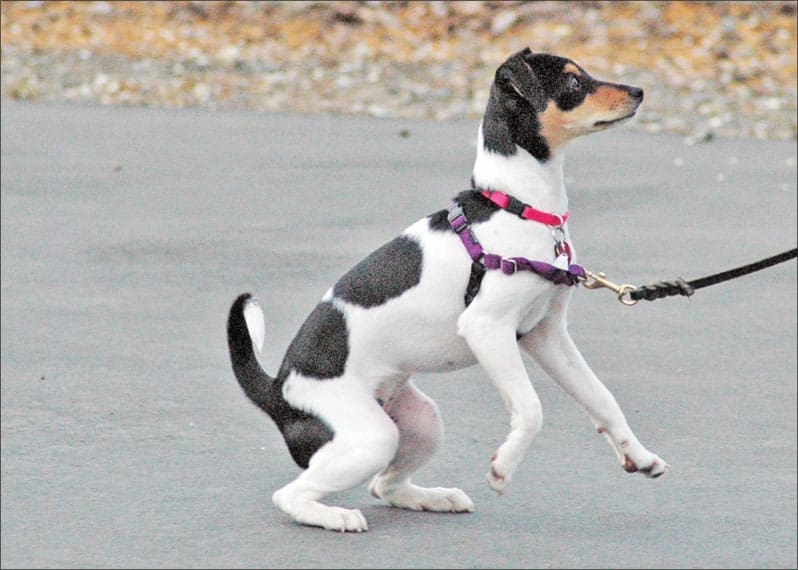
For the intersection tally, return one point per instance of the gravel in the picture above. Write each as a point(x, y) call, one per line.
point(709, 69)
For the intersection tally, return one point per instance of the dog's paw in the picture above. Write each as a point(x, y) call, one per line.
point(647, 463)
point(337, 519)
point(500, 473)
point(496, 481)
point(435, 499)
point(313, 513)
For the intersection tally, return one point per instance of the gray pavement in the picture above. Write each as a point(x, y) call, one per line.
point(126, 441)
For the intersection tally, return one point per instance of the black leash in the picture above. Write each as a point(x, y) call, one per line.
point(679, 286)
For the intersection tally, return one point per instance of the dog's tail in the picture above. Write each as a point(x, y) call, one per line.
point(245, 335)
point(303, 433)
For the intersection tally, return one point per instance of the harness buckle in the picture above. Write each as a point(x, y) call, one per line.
point(457, 218)
point(509, 266)
point(515, 206)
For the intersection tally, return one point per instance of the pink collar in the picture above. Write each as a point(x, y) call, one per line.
point(522, 210)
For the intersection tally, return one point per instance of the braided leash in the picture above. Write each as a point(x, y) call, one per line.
point(630, 295)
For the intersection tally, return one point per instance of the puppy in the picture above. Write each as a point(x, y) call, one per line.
point(474, 283)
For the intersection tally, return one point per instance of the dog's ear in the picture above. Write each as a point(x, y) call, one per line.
point(517, 79)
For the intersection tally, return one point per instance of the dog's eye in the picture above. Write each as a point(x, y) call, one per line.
point(573, 83)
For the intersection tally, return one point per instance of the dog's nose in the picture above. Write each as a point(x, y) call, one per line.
point(636, 93)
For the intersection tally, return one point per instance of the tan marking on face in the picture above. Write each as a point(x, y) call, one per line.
point(607, 103)
point(558, 127)
point(608, 97)
point(554, 126)
point(571, 68)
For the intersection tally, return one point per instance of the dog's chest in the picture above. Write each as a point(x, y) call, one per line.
point(510, 236)
point(535, 311)
point(522, 298)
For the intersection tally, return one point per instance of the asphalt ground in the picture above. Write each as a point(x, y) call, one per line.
point(127, 442)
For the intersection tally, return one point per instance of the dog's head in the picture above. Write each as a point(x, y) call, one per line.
point(540, 101)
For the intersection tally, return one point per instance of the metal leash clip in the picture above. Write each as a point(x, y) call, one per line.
point(599, 280)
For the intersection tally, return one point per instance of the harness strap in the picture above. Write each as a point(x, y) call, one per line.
point(482, 261)
point(474, 281)
point(517, 207)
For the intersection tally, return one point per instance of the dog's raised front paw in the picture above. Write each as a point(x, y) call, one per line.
point(500, 473)
point(651, 466)
point(496, 481)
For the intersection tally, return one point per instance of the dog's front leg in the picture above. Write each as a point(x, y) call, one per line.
point(494, 346)
point(552, 347)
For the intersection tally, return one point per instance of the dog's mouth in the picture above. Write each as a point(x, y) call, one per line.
point(602, 124)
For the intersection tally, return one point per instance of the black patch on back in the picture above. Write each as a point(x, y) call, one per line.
point(384, 274)
point(321, 347)
point(477, 209)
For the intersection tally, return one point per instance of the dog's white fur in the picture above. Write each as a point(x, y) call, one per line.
point(427, 328)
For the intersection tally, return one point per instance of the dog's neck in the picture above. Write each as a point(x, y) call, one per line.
point(538, 183)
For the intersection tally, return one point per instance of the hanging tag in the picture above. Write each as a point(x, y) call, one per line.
point(563, 247)
point(561, 262)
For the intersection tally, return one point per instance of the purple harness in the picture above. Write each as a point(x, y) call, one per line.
point(482, 261)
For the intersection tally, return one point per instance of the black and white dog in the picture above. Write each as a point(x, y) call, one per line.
point(471, 284)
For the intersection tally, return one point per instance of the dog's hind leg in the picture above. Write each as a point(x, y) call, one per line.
point(420, 435)
point(364, 441)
